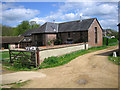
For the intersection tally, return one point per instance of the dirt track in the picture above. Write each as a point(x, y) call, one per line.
point(92, 70)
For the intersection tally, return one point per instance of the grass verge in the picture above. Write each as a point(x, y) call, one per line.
point(61, 60)
point(115, 60)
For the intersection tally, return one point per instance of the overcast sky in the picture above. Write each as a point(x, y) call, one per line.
point(15, 12)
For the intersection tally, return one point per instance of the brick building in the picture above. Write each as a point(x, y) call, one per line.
point(86, 30)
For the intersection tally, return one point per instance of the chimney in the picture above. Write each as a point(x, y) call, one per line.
point(81, 17)
point(54, 25)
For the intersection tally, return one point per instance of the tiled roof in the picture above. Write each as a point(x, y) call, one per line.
point(48, 27)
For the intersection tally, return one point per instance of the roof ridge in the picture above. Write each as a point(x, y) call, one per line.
point(77, 20)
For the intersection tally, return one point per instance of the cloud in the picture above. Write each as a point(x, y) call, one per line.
point(15, 15)
point(106, 12)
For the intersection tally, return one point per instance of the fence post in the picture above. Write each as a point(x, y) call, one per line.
point(85, 45)
point(38, 58)
point(10, 55)
point(35, 58)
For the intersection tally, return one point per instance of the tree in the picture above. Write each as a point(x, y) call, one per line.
point(20, 29)
point(34, 25)
point(24, 26)
point(8, 31)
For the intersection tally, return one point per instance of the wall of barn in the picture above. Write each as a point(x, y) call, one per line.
point(77, 37)
point(49, 37)
point(91, 34)
point(38, 39)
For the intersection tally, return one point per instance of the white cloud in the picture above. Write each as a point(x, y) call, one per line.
point(38, 20)
point(107, 13)
point(16, 14)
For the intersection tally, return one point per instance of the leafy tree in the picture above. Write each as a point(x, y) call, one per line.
point(20, 29)
point(8, 31)
point(24, 26)
point(34, 25)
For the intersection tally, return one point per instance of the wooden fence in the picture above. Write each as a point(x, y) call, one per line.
point(25, 56)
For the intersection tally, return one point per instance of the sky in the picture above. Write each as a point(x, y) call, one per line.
point(13, 13)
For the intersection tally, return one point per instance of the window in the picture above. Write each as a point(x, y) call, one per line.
point(95, 34)
point(69, 34)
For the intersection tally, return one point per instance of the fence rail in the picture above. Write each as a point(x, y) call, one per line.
point(24, 56)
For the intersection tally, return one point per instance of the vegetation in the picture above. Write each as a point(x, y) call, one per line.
point(20, 29)
point(111, 42)
point(61, 60)
point(115, 60)
point(58, 42)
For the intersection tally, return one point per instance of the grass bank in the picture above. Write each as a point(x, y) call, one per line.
point(61, 60)
point(115, 60)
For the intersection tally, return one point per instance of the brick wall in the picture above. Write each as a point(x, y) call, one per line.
point(49, 37)
point(77, 37)
point(91, 35)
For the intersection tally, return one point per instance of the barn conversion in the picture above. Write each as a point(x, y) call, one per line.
point(85, 30)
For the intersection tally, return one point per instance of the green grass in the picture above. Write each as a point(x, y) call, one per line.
point(4, 54)
point(115, 60)
point(61, 60)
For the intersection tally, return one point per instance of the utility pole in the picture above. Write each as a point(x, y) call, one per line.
point(119, 37)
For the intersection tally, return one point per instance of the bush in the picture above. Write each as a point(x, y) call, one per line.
point(58, 42)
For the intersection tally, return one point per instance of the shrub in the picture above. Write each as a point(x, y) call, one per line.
point(58, 42)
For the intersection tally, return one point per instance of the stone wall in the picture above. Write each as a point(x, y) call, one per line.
point(45, 53)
